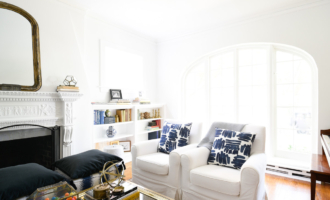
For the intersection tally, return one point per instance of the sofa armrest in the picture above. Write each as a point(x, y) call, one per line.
point(194, 158)
point(144, 148)
point(254, 169)
point(181, 150)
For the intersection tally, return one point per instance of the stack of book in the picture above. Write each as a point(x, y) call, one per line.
point(144, 101)
point(154, 125)
point(120, 102)
point(130, 193)
point(124, 115)
point(64, 88)
point(109, 120)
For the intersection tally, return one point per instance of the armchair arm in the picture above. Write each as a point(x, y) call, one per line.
point(253, 174)
point(181, 150)
point(144, 148)
point(194, 158)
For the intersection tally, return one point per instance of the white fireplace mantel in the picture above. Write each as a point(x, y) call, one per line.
point(41, 108)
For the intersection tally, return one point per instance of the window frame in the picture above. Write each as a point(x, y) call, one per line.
point(271, 49)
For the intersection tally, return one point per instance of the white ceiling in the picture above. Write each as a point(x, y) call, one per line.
point(164, 19)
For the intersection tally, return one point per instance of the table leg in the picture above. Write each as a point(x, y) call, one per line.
point(313, 186)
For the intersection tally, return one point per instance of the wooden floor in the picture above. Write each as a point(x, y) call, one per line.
point(279, 188)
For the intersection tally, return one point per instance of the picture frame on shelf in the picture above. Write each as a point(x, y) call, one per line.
point(114, 142)
point(115, 94)
point(126, 145)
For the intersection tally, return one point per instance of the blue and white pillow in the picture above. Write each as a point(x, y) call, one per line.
point(231, 148)
point(174, 136)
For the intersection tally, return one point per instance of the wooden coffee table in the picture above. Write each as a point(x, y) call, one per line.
point(320, 171)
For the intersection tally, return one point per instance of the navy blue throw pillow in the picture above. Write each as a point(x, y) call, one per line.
point(22, 180)
point(231, 148)
point(86, 163)
point(174, 136)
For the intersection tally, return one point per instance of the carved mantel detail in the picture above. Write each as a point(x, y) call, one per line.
point(42, 108)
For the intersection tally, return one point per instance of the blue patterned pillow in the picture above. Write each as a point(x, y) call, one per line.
point(174, 136)
point(230, 148)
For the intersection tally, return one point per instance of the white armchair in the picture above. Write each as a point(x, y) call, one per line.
point(202, 181)
point(159, 171)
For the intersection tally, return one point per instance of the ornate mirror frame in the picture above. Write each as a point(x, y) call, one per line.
point(35, 48)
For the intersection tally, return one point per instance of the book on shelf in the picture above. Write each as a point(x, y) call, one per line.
point(124, 115)
point(64, 88)
point(153, 135)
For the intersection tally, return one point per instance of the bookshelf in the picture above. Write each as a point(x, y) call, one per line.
point(133, 131)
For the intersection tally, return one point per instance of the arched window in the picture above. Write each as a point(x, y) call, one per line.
point(265, 84)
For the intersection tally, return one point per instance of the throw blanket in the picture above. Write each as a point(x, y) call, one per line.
point(207, 141)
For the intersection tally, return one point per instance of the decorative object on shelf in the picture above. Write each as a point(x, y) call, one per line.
point(111, 132)
point(107, 113)
point(70, 81)
point(114, 142)
point(138, 114)
point(116, 150)
point(141, 116)
point(158, 113)
point(147, 115)
point(117, 118)
point(126, 145)
point(115, 94)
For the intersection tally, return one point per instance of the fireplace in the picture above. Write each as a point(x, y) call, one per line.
point(47, 109)
point(42, 148)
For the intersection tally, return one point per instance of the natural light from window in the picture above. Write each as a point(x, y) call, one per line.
point(270, 85)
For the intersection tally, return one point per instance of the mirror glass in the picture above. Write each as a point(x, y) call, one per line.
point(16, 55)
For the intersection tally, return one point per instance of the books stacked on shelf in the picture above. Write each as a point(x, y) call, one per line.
point(125, 115)
point(144, 101)
point(130, 193)
point(109, 120)
point(154, 135)
point(64, 88)
point(120, 102)
point(154, 125)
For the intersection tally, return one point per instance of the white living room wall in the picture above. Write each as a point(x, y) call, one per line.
point(306, 28)
point(69, 45)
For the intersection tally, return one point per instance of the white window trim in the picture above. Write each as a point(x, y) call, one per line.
point(272, 47)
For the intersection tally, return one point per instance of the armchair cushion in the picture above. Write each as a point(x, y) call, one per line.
point(231, 148)
point(157, 163)
point(174, 136)
point(219, 179)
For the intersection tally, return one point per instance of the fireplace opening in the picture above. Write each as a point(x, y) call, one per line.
point(44, 149)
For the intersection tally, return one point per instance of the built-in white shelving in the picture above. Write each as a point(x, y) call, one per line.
point(133, 131)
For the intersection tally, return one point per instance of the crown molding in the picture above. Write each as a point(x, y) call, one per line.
point(248, 19)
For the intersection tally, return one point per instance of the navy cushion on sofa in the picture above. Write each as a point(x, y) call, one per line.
point(85, 164)
point(174, 136)
point(231, 148)
point(23, 180)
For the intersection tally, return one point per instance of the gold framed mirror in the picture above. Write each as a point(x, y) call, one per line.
point(20, 67)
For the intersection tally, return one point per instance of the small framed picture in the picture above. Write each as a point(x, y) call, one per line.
point(126, 145)
point(114, 143)
point(115, 94)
